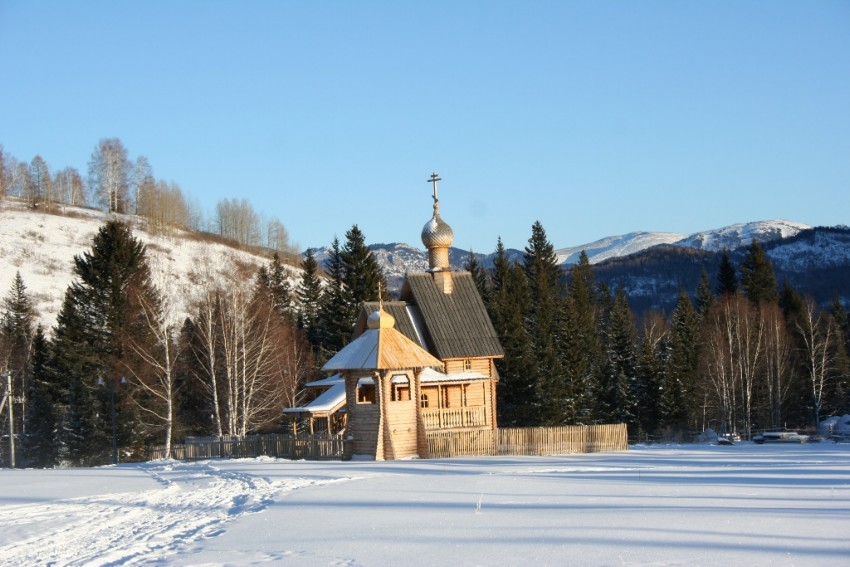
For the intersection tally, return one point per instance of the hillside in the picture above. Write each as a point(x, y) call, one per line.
point(816, 261)
point(42, 247)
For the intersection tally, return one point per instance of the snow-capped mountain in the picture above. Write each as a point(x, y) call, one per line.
point(736, 235)
point(614, 246)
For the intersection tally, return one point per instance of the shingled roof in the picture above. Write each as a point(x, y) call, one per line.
point(456, 324)
point(381, 347)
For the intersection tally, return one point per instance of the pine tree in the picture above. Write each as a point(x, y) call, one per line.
point(680, 374)
point(83, 438)
point(280, 289)
point(757, 277)
point(654, 359)
point(705, 296)
point(508, 304)
point(361, 273)
point(16, 335)
point(479, 275)
point(619, 388)
point(309, 295)
point(791, 303)
point(542, 321)
point(580, 351)
point(98, 331)
point(337, 311)
point(727, 279)
point(40, 447)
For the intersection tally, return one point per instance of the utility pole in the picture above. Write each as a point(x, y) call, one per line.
point(8, 398)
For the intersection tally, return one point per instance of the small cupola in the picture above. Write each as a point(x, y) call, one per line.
point(437, 236)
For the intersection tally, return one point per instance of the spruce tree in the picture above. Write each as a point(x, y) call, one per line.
point(542, 322)
point(619, 389)
point(16, 335)
point(654, 358)
point(361, 273)
point(727, 278)
point(104, 320)
point(309, 293)
point(280, 288)
point(757, 277)
point(680, 375)
point(337, 311)
point(479, 275)
point(705, 296)
point(791, 303)
point(580, 351)
point(508, 304)
point(40, 443)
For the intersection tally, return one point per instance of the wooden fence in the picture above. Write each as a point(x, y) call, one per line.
point(441, 444)
point(528, 441)
point(311, 447)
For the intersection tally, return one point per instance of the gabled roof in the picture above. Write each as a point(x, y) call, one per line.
point(381, 347)
point(456, 324)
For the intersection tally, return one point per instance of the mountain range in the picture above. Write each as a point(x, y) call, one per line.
point(652, 266)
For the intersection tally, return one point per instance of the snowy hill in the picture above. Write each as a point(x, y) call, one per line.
point(614, 246)
point(42, 247)
point(738, 235)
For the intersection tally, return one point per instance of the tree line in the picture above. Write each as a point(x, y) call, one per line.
point(118, 184)
point(743, 355)
point(116, 373)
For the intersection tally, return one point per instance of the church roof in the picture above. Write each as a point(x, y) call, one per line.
point(381, 347)
point(456, 324)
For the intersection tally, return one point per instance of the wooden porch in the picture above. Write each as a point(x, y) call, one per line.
point(455, 418)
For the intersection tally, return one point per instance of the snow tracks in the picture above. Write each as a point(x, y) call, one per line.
point(196, 500)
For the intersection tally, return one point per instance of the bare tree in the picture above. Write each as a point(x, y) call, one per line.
point(4, 176)
point(817, 332)
point(238, 221)
point(777, 367)
point(70, 188)
point(109, 174)
point(734, 351)
point(142, 181)
point(156, 375)
point(42, 183)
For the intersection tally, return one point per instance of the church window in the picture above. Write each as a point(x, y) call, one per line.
point(401, 388)
point(467, 364)
point(424, 401)
point(365, 391)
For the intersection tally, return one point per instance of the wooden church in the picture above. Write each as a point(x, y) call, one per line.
point(423, 363)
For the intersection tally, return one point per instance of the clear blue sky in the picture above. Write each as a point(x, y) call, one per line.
point(596, 118)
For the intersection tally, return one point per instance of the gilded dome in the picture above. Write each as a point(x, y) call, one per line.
point(436, 233)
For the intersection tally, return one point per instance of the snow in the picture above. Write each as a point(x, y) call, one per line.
point(742, 234)
point(671, 505)
point(42, 247)
point(615, 246)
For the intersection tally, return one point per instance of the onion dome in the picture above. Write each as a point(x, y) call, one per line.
point(380, 319)
point(437, 233)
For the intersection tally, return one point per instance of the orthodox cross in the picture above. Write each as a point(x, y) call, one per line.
point(434, 178)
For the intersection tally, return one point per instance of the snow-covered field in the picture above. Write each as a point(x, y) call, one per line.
point(685, 505)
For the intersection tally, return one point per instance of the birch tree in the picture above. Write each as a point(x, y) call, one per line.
point(158, 354)
point(816, 330)
point(109, 175)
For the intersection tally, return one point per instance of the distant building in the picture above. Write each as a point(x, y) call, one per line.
point(423, 363)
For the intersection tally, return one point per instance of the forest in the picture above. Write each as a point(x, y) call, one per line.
point(116, 374)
